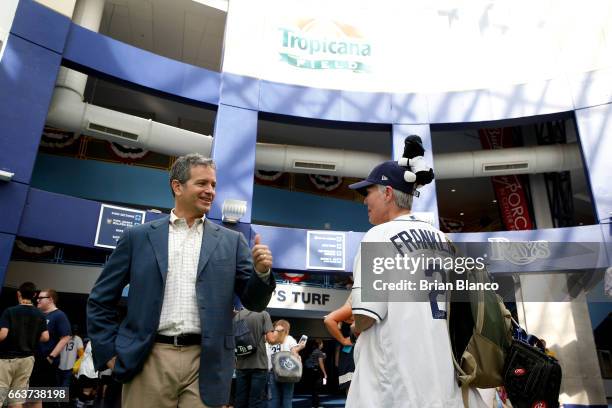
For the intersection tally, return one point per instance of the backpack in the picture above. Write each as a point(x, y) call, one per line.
point(287, 367)
point(480, 331)
point(532, 377)
point(245, 341)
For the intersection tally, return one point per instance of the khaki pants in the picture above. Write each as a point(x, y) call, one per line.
point(169, 379)
point(14, 374)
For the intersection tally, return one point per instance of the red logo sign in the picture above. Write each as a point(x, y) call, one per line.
point(519, 372)
point(539, 404)
point(509, 189)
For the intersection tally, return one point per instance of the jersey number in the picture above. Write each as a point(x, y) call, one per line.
point(436, 312)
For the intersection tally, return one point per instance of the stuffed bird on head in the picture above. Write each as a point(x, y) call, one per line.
point(420, 173)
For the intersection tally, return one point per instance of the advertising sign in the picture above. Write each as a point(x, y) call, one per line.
point(299, 297)
point(414, 46)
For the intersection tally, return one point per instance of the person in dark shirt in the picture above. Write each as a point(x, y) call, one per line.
point(46, 371)
point(21, 328)
point(316, 376)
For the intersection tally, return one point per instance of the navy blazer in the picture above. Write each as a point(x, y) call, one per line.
point(141, 259)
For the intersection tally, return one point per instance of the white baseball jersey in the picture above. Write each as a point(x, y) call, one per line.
point(69, 353)
point(286, 345)
point(404, 359)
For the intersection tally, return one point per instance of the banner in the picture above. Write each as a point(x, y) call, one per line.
point(414, 46)
point(509, 190)
point(300, 297)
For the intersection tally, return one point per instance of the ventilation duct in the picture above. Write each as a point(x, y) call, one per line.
point(515, 160)
point(69, 112)
point(315, 160)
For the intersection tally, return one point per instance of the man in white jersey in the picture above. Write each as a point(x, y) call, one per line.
point(403, 355)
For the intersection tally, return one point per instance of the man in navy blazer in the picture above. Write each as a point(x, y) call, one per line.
point(175, 347)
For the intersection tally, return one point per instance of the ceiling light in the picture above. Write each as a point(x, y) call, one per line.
point(494, 201)
point(461, 213)
point(453, 190)
point(217, 4)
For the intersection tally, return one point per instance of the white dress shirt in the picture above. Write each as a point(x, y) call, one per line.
point(179, 314)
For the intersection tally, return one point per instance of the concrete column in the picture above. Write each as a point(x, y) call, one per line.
point(87, 14)
point(566, 326)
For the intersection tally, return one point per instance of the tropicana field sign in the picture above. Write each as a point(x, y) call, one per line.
point(324, 44)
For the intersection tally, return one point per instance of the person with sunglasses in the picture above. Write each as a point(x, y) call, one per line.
point(46, 371)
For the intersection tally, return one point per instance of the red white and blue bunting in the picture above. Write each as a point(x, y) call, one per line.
point(56, 138)
point(268, 175)
point(35, 250)
point(327, 183)
point(127, 153)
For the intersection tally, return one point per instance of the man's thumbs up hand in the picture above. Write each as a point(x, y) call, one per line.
point(262, 257)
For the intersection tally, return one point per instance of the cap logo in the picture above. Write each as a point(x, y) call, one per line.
point(384, 178)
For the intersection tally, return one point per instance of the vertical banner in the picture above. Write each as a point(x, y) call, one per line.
point(509, 190)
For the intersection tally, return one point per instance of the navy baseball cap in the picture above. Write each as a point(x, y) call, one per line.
point(388, 173)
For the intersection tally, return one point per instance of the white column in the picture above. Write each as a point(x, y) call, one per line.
point(566, 326)
point(87, 14)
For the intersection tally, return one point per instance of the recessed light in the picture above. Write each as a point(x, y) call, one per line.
point(494, 201)
point(461, 213)
point(453, 190)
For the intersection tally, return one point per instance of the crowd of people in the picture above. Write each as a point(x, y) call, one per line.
point(40, 349)
point(32, 332)
point(256, 384)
